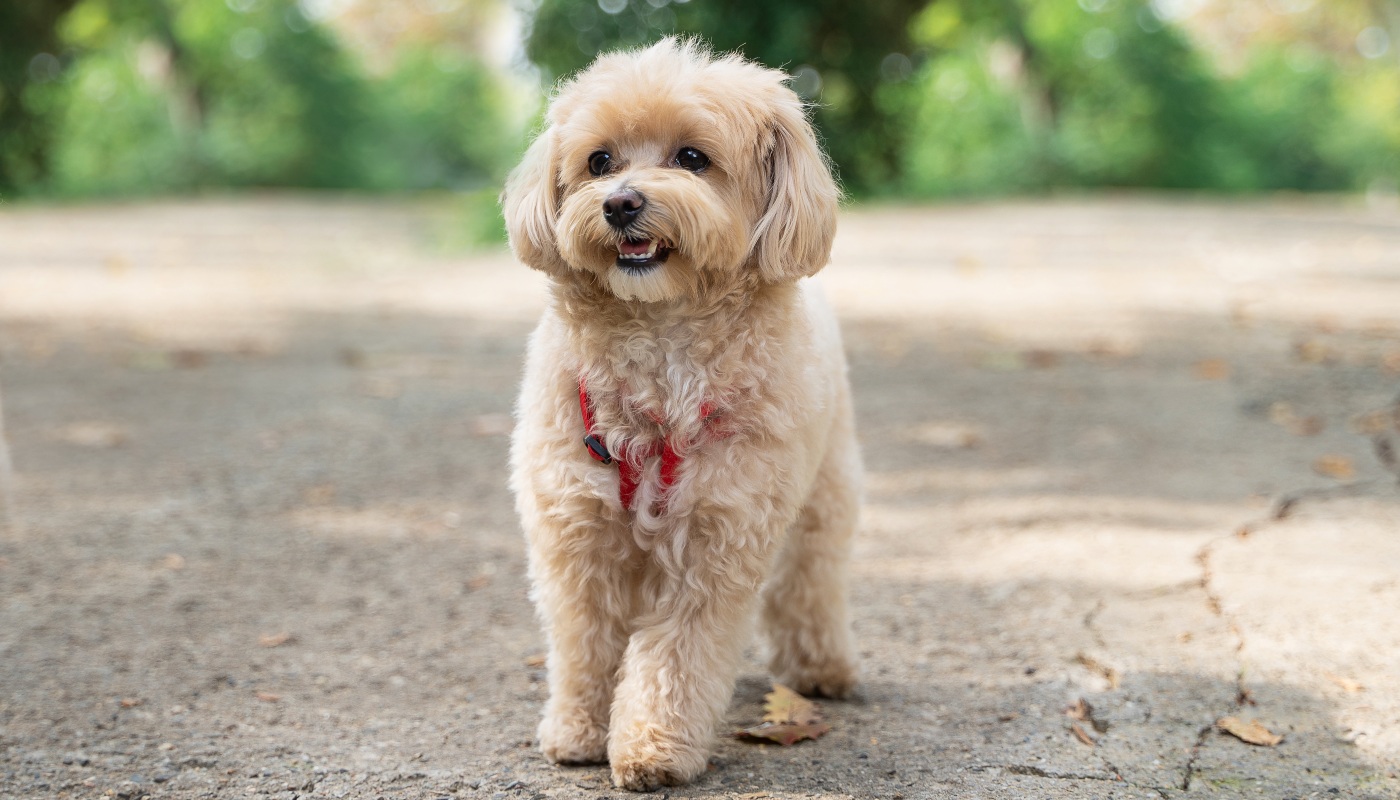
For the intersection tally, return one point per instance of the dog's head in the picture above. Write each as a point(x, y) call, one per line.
point(659, 166)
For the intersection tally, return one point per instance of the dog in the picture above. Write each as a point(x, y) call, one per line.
point(685, 448)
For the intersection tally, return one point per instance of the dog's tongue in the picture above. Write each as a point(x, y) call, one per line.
point(639, 247)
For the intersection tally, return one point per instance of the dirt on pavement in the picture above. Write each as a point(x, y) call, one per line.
point(1139, 452)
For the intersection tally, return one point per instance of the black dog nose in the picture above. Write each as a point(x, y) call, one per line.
point(622, 207)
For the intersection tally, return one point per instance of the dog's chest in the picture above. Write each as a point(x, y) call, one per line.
point(666, 381)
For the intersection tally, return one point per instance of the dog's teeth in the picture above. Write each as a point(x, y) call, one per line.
point(652, 246)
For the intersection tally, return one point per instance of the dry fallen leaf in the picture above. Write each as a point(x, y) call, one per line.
point(1371, 423)
point(1240, 315)
point(190, 359)
point(1282, 415)
point(1212, 369)
point(1311, 351)
point(93, 434)
point(274, 639)
point(354, 357)
point(1252, 732)
point(948, 436)
point(268, 697)
point(1041, 359)
point(536, 660)
point(789, 718)
point(1103, 670)
point(1080, 710)
point(1335, 466)
point(1347, 684)
point(318, 495)
point(1081, 734)
point(1306, 426)
point(1113, 348)
point(1390, 362)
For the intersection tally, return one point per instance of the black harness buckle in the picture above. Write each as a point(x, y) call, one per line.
point(597, 449)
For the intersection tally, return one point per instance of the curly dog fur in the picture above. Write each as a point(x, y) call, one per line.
point(710, 164)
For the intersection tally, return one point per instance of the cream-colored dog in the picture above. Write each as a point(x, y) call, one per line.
point(685, 442)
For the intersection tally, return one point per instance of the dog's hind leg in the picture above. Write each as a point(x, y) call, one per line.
point(805, 599)
point(583, 591)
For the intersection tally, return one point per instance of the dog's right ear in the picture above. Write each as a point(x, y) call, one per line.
point(530, 204)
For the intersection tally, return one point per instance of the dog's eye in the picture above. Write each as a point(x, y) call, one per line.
point(599, 162)
point(691, 159)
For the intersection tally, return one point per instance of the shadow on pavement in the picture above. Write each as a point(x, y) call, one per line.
point(288, 565)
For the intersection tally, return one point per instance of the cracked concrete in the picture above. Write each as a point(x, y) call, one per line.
point(1092, 428)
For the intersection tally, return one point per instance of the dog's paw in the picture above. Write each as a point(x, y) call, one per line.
point(651, 760)
point(835, 680)
point(573, 740)
point(643, 777)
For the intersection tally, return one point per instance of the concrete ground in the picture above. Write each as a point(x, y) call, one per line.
point(1139, 452)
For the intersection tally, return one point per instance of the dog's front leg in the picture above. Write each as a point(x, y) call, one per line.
point(583, 591)
point(679, 669)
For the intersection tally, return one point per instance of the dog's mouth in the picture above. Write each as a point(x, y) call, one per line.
point(639, 256)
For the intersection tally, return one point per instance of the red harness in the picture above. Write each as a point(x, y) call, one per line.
point(629, 476)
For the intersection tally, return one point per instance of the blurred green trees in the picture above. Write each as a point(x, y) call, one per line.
point(839, 52)
point(914, 98)
point(1021, 94)
point(1065, 96)
point(954, 97)
point(28, 42)
point(167, 95)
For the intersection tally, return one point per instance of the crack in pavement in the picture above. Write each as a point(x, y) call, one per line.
point(1286, 503)
point(1113, 768)
point(1189, 771)
point(1216, 606)
point(1282, 509)
point(1101, 727)
point(1090, 622)
point(1041, 772)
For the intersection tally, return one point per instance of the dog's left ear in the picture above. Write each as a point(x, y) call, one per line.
point(530, 204)
point(793, 237)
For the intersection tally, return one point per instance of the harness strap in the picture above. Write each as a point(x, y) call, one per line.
point(629, 476)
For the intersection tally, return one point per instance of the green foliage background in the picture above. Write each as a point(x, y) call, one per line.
point(914, 98)
point(958, 97)
point(175, 95)
point(1116, 97)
